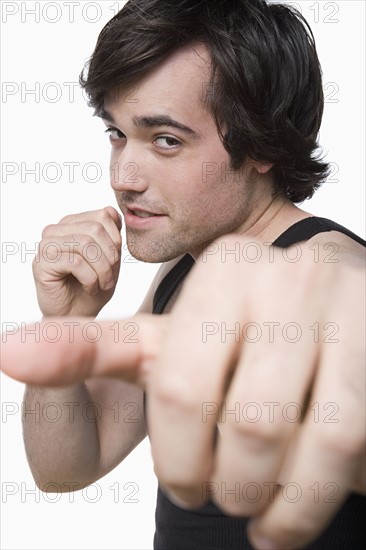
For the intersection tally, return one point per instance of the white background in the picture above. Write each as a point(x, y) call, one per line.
point(55, 127)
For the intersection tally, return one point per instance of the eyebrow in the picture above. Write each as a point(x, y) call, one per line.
point(152, 122)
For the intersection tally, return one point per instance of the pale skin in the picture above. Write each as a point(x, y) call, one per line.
point(170, 352)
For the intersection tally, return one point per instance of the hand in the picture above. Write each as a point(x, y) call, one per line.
point(78, 261)
point(272, 351)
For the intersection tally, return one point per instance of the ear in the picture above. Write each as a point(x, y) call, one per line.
point(263, 167)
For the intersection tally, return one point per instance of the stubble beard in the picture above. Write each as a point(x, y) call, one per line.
point(155, 250)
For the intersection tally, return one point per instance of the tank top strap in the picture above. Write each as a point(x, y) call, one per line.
point(300, 231)
point(307, 228)
point(170, 282)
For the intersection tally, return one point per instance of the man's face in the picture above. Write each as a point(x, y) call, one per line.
point(169, 170)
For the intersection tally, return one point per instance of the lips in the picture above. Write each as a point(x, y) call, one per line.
point(142, 213)
point(138, 218)
point(139, 211)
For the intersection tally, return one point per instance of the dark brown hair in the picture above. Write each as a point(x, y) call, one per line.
point(266, 80)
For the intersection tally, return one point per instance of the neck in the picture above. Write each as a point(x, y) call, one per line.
point(273, 220)
point(268, 216)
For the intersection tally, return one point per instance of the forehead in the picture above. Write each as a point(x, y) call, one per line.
point(177, 86)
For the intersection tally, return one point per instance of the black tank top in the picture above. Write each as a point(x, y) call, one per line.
point(207, 528)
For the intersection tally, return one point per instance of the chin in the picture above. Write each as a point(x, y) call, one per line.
point(154, 254)
point(158, 248)
point(144, 254)
point(147, 258)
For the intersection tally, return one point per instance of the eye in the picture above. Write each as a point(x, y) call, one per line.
point(167, 142)
point(114, 133)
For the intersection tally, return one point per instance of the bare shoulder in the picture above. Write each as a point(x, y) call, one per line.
point(333, 246)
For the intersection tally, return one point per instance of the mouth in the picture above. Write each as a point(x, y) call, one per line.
point(137, 218)
point(141, 213)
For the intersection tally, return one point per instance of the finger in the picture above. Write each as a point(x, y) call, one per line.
point(259, 417)
point(69, 248)
point(328, 453)
point(108, 217)
point(62, 351)
point(184, 381)
point(117, 218)
point(267, 391)
point(103, 213)
point(61, 266)
point(100, 241)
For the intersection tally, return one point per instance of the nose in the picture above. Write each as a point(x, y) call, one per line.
point(126, 173)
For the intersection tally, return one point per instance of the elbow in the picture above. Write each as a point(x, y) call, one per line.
point(61, 486)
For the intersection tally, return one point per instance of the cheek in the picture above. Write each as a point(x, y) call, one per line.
point(202, 190)
point(182, 184)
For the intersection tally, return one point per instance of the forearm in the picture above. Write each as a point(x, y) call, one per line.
point(61, 436)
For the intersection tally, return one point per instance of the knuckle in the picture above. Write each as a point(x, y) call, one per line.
point(77, 260)
point(348, 444)
point(48, 251)
point(260, 433)
point(67, 219)
point(175, 395)
point(47, 230)
point(104, 214)
point(98, 229)
point(95, 229)
point(81, 241)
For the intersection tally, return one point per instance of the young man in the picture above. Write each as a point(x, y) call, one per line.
point(213, 111)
